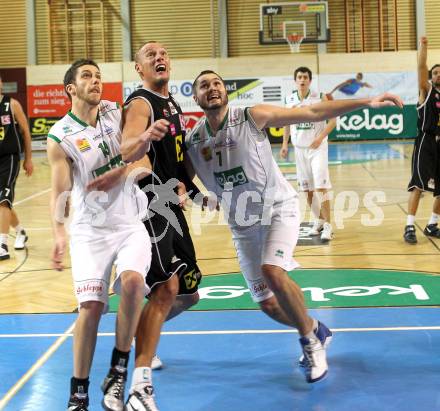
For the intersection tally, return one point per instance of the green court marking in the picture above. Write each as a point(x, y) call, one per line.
point(327, 288)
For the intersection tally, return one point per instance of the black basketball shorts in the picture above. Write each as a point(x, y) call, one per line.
point(9, 169)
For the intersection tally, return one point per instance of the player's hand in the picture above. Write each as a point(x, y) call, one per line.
point(156, 131)
point(108, 180)
point(211, 203)
point(58, 251)
point(182, 194)
point(28, 167)
point(315, 143)
point(423, 41)
point(284, 152)
point(386, 100)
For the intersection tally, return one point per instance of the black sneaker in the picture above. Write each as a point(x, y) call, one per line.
point(432, 230)
point(113, 388)
point(4, 252)
point(410, 234)
point(78, 404)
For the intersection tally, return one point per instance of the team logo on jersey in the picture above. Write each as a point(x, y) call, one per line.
point(195, 138)
point(2, 133)
point(107, 129)
point(279, 253)
point(172, 108)
point(165, 112)
point(206, 152)
point(173, 130)
point(228, 143)
point(83, 145)
point(67, 129)
point(231, 178)
point(182, 121)
point(6, 119)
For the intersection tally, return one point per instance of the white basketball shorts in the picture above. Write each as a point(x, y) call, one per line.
point(94, 251)
point(271, 242)
point(312, 168)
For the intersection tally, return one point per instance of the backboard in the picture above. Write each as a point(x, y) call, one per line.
point(277, 20)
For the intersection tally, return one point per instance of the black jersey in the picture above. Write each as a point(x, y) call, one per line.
point(429, 113)
point(10, 138)
point(166, 155)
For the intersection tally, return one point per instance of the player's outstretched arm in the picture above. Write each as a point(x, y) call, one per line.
point(422, 67)
point(136, 137)
point(61, 184)
point(266, 115)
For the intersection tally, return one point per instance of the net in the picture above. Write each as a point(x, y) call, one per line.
point(294, 40)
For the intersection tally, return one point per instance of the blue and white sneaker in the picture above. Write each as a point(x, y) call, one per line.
point(314, 358)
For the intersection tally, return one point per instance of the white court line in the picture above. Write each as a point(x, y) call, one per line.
point(25, 378)
point(220, 332)
point(31, 197)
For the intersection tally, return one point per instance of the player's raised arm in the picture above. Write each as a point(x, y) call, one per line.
point(136, 137)
point(266, 115)
point(422, 68)
point(61, 182)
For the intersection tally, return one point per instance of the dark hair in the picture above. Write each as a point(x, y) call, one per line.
point(69, 77)
point(194, 85)
point(360, 75)
point(432, 68)
point(302, 70)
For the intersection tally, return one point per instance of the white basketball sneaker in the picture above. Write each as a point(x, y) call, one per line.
point(156, 363)
point(20, 240)
point(327, 232)
point(314, 358)
point(316, 228)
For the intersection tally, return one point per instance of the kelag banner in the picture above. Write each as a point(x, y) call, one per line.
point(369, 124)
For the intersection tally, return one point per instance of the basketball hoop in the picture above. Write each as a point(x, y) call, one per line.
point(294, 41)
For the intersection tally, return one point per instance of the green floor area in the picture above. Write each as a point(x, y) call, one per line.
point(327, 288)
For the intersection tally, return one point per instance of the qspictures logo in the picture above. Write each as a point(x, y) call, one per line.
point(235, 177)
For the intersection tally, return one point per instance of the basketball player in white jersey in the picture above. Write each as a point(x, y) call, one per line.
point(231, 155)
point(106, 229)
point(311, 153)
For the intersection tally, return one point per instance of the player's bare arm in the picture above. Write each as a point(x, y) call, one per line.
point(284, 152)
point(135, 135)
point(61, 183)
point(20, 117)
point(422, 69)
point(266, 115)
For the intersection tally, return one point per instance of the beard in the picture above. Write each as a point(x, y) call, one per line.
point(215, 106)
point(91, 99)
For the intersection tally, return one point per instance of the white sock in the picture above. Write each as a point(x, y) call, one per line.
point(434, 218)
point(141, 376)
point(410, 219)
point(4, 239)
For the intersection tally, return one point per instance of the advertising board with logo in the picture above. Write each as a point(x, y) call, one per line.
point(46, 104)
point(363, 124)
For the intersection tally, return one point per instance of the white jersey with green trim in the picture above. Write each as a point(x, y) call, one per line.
point(303, 134)
point(93, 151)
point(237, 165)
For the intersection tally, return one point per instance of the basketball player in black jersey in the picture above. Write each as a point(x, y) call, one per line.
point(426, 154)
point(174, 270)
point(15, 138)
